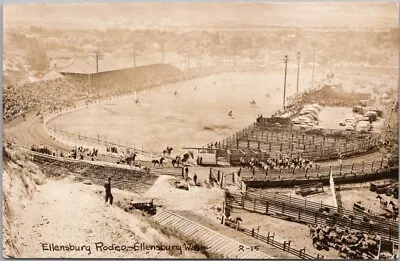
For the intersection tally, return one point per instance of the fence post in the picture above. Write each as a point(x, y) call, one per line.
point(243, 201)
point(352, 167)
point(362, 167)
point(340, 171)
point(283, 207)
point(299, 214)
point(237, 143)
point(381, 163)
point(270, 149)
point(266, 207)
point(372, 165)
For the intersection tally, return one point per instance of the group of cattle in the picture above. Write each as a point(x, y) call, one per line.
point(281, 162)
point(350, 243)
point(390, 189)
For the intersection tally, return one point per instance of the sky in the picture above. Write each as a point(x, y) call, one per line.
point(149, 15)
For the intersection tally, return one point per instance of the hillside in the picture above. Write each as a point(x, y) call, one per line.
point(39, 210)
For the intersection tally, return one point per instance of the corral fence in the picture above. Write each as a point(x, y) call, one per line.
point(297, 143)
point(338, 171)
point(263, 150)
point(308, 212)
point(222, 179)
point(387, 173)
point(269, 239)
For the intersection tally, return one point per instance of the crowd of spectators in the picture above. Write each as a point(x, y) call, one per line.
point(43, 96)
point(62, 93)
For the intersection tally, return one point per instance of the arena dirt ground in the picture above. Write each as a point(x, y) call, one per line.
point(189, 119)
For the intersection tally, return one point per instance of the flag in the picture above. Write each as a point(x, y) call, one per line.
point(332, 186)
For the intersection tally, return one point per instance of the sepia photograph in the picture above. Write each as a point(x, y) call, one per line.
point(201, 130)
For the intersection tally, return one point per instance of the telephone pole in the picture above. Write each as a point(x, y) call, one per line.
point(162, 53)
point(313, 66)
point(298, 71)
point(134, 57)
point(188, 61)
point(285, 60)
point(97, 62)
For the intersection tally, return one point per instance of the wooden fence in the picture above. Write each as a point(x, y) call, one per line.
point(261, 150)
point(269, 239)
point(98, 140)
point(106, 167)
point(221, 179)
point(389, 173)
point(341, 170)
point(307, 212)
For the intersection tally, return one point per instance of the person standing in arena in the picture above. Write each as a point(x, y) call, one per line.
point(195, 179)
point(107, 186)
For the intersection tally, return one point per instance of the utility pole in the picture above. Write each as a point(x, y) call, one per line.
point(134, 57)
point(298, 71)
point(188, 61)
point(97, 62)
point(313, 66)
point(162, 54)
point(285, 60)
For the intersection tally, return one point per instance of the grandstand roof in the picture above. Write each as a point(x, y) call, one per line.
point(80, 66)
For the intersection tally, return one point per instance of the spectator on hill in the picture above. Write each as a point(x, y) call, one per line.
point(107, 186)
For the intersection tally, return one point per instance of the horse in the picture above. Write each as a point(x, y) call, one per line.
point(131, 159)
point(176, 161)
point(168, 150)
point(185, 157)
point(160, 162)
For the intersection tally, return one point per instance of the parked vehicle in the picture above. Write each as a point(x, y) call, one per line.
point(358, 109)
point(363, 126)
point(350, 126)
point(372, 115)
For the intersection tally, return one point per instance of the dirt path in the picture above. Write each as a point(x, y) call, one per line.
point(64, 213)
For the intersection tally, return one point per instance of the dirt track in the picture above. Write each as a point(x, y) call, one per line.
point(31, 132)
